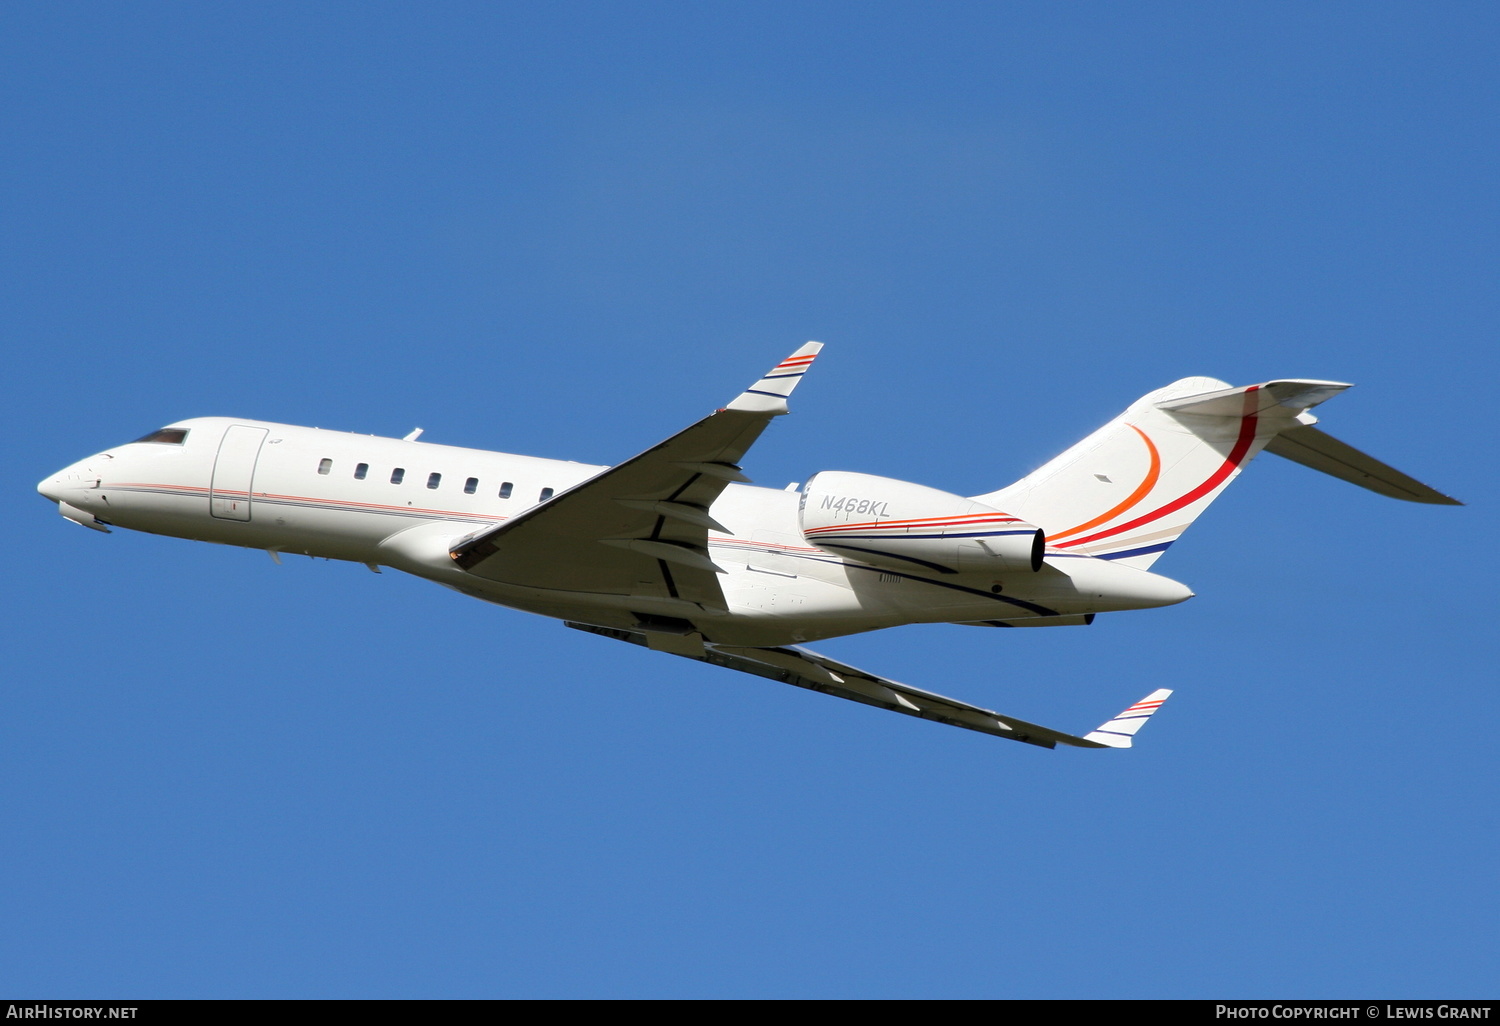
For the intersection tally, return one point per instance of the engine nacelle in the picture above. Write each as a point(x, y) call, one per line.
point(905, 526)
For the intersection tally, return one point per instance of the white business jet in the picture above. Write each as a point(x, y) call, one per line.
point(676, 551)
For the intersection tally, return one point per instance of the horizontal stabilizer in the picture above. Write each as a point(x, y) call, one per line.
point(805, 669)
point(1129, 490)
point(1120, 731)
point(1313, 448)
point(1290, 397)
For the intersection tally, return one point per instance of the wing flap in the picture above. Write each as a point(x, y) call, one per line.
point(806, 669)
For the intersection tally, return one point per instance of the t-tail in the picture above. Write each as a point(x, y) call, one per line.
point(1128, 491)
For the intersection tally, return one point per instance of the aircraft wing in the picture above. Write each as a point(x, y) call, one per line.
point(640, 528)
point(806, 669)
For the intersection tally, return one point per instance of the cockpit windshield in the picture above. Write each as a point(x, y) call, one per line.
point(166, 436)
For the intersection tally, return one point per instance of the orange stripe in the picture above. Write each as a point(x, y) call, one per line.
point(1217, 479)
point(954, 521)
point(730, 543)
point(1136, 496)
point(348, 505)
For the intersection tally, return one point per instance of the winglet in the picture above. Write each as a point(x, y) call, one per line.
point(1118, 732)
point(768, 395)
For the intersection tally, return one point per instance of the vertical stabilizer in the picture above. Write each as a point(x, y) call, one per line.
point(1130, 489)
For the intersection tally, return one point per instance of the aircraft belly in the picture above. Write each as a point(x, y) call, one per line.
point(254, 535)
point(182, 512)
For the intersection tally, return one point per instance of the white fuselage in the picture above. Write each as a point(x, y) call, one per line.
point(302, 490)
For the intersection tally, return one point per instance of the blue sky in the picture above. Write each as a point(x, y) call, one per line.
point(568, 231)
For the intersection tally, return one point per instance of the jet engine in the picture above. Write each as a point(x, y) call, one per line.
point(905, 526)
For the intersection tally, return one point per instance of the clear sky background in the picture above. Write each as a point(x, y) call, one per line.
point(568, 230)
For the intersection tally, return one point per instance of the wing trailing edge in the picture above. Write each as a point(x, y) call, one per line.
point(806, 669)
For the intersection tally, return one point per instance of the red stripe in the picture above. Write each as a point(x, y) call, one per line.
point(938, 530)
point(336, 505)
point(955, 521)
point(1142, 490)
point(1235, 458)
point(884, 530)
point(742, 542)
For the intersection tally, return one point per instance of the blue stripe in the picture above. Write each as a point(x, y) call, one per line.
point(919, 537)
point(756, 391)
point(1088, 618)
point(1162, 547)
point(893, 555)
point(792, 374)
point(1022, 603)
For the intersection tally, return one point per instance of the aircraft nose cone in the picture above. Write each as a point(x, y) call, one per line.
point(69, 483)
point(52, 488)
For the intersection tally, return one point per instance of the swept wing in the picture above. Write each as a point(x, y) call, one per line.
point(640, 528)
point(806, 669)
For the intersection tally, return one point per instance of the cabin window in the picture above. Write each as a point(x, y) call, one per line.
point(471, 486)
point(360, 471)
point(433, 480)
point(397, 475)
point(325, 465)
point(166, 436)
point(546, 494)
point(505, 487)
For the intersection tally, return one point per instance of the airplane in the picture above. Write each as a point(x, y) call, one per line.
point(675, 550)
